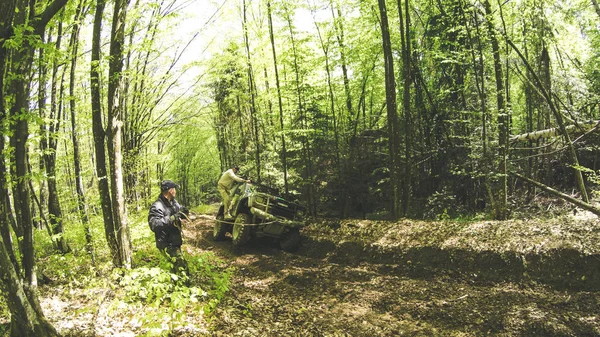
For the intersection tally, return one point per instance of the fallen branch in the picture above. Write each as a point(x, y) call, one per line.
point(561, 195)
point(588, 125)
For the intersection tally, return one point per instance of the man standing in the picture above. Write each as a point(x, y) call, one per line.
point(164, 218)
point(225, 184)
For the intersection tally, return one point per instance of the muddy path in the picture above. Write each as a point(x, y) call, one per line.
point(334, 287)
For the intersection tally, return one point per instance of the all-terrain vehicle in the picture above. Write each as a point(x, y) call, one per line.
point(257, 211)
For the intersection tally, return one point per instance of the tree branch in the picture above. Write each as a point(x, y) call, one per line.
point(48, 14)
point(561, 195)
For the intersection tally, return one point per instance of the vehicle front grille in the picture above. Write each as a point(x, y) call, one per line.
point(275, 206)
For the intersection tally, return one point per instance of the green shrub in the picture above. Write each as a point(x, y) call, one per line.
point(171, 297)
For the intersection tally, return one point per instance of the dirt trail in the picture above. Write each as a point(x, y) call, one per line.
point(334, 287)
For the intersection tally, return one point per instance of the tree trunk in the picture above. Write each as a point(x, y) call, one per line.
point(280, 104)
point(20, 86)
point(81, 202)
point(392, 115)
point(50, 145)
point(27, 318)
point(501, 211)
point(406, 72)
point(99, 137)
point(586, 126)
point(339, 29)
point(7, 10)
point(252, 88)
point(42, 202)
point(115, 122)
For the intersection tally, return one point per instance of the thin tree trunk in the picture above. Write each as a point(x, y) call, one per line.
point(530, 109)
point(252, 87)
point(339, 29)
point(51, 145)
point(99, 138)
point(392, 114)
point(503, 132)
point(481, 91)
point(42, 84)
point(270, 109)
point(406, 72)
point(81, 202)
point(280, 104)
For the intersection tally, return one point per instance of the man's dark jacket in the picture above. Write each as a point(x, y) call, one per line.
point(166, 233)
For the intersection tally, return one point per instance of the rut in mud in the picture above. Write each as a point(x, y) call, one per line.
point(362, 278)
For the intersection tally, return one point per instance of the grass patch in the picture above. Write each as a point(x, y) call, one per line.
point(206, 209)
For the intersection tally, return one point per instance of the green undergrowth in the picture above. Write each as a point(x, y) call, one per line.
point(149, 298)
point(206, 209)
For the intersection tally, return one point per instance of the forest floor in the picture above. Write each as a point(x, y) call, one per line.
point(379, 278)
point(414, 278)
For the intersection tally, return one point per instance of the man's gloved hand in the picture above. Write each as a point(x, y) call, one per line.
point(175, 217)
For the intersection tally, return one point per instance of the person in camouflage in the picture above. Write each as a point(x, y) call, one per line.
point(225, 184)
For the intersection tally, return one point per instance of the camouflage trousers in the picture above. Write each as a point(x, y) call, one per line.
point(225, 194)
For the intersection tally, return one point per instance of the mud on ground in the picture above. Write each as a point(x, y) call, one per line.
point(364, 278)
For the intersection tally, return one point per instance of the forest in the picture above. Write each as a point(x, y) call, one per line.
point(444, 153)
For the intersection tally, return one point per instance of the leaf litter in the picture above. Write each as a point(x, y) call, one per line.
point(378, 278)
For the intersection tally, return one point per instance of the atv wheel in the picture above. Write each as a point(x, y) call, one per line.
point(220, 228)
point(290, 241)
point(241, 233)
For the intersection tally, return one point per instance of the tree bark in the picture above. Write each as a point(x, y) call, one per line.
point(99, 138)
point(501, 211)
point(553, 132)
point(406, 72)
point(7, 10)
point(339, 29)
point(252, 88)
point(115, 122)
point(27, 318)
point(279, 101)
point(81, 202)
point(392, 114)
point(49, 146)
